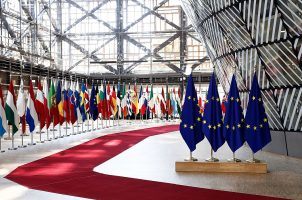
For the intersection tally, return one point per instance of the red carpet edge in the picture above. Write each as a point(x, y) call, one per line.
point(70, 172)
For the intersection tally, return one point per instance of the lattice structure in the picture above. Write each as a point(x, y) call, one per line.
point(243, 36)
point(125, 37)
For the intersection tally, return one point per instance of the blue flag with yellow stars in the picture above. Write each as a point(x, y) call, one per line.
point(92, 104)
point(257, 133)
point(212, 117)
point(191, 119)
point(233, 126)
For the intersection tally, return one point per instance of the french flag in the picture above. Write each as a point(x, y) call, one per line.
point(31, 113)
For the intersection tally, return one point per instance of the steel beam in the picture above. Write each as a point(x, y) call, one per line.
point(146, 14)
point(92, 53)
point(157, 49)
point(90, 14)
point(86, 15)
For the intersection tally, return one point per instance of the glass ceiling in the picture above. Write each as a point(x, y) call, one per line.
point(122, 36)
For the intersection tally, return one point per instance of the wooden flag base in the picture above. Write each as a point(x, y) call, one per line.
point(221, 167)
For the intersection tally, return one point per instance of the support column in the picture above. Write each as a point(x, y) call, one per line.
point(183, 40)
point(59, 55)
point(119, 36)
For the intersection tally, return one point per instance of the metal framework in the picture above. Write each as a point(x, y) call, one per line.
point(102, 38)
point(262, 36)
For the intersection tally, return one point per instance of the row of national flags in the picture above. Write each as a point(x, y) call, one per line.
point(70, 102)
point(234, 128)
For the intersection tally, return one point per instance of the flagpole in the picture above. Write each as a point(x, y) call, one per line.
point(212, 159)
point(191, 158)
point(1, 151)
point(13, 146)
point(22, 142)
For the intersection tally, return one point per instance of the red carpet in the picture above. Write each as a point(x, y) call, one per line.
point(70, 172)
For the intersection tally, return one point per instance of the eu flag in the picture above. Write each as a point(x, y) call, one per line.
point(191, 119)
point(93, 106)
point(233, 126)
point(212, 117)
point(257, 133)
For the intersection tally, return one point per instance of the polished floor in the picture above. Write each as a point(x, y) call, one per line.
point(153, 159)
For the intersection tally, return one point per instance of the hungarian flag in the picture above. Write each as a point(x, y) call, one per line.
point(40, 105)
point(21, 106)
point(31, 113)
point(52, 104)
point(11, 110)
point(59, 102)
point(46, 108)
point(178, 101)
point(3, 122)
point(66, 103)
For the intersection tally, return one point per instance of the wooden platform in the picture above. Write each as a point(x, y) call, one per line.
point(222, 167)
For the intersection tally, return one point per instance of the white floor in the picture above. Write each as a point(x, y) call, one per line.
point(153, 159)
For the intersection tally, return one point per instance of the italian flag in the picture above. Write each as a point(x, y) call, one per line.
point(11, 110)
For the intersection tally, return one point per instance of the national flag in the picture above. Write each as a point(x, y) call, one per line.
point(113, 101)
point(233, 124)
point(134, 101)
point(109, 101)
point(21, 106)
point(257, 132)
point(169, 103)
point(144, 102)
point(141, 99)
point(178, 101)
point(72, 104)
point(82, 103)
point(98, 99)
point(118, 100)
point(66, 102)
point(93, 105)
point(105, 112)
point(52, 104)
point(3, 122)
point(200, 104)
point(59, 102)
point(46, 108)
point(86, 95)
point(124, 101)
point(163, 101)
point(212, 118)
point(31, 113)
point(78, 102)
point(191, 119)
point(129, 106)
point(11, 110)
point(223, 104)
point(152, 100)
point(39, 103)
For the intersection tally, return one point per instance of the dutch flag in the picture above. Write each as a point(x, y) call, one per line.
point(31, 113)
